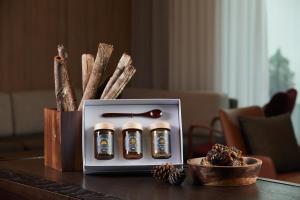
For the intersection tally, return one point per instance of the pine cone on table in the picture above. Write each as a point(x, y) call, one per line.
point(176, 176)
point(162, 172)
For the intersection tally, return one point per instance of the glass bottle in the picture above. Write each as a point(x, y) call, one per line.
point(104, 141)
point(132, 140)
point(160, 140)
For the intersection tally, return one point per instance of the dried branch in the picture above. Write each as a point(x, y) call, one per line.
point(65, 97)
point(87, 67)
point(121, 82)
point(100, 64)
point(62, 51)
point(123, 62)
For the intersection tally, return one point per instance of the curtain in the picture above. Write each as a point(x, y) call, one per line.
point(216, 45)
point(241, 59)
point(191, 42)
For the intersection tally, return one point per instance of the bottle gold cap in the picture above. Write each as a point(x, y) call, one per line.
point(160, 124)
point(132, 125)
point(104, 125)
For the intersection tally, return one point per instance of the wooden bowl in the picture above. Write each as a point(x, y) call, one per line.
point(225, 175)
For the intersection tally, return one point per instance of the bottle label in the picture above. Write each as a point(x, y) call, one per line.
point(161, 142)
point(133, 141)
point(105, 143)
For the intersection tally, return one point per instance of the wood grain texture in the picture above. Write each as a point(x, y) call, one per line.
point(142, 45)
point(123, 62)
point(225, 175)
point(135, 187)
point(120, 83)
point(26, 186)
point(64, 92)
point(87, 62)
point(62, 140)
point(99, 68)
point(32, 29)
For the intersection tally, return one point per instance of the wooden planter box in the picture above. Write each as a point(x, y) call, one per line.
point(62, 140)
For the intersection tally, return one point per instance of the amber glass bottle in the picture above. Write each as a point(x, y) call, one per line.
point(160, 140)
point(104, 141)
point(132, 140)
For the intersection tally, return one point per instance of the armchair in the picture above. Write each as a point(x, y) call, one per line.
point(202, 149)
point(233, 137)
point(210, 130)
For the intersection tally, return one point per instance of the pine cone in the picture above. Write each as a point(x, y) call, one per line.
point(176, 176)
point(219, 147)
point(221, 158)
point(162, 172)
point(225, 156)
point(235, 153)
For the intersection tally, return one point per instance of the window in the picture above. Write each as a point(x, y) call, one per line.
point(284, 50)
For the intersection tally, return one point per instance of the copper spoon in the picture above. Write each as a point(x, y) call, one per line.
point(155, 113)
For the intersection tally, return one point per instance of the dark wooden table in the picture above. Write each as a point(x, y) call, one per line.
point(28, 179)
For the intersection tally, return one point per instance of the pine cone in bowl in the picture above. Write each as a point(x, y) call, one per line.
point(225, 166)
point(222, 155)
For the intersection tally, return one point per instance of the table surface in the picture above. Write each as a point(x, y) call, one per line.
point(75, 185)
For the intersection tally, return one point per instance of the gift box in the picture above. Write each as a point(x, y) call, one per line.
point(93, 111)
point(62, 140)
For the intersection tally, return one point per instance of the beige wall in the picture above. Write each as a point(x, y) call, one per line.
point(31, 29)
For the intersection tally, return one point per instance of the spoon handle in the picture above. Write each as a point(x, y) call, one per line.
point(118, 114)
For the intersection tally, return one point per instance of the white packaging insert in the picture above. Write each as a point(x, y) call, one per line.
point(92, 114)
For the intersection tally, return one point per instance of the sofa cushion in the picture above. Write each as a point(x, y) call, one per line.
point(280, 103)
point(231, 126)
point(28, 142)
point(273, 137)
point(21, 154)
point(31, 141)
point(10, 146)
point(28, 110)
point(6, 128)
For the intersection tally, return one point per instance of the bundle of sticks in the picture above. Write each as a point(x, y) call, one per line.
point(93, 70)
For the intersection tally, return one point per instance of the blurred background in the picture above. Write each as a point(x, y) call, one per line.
point(245, 49)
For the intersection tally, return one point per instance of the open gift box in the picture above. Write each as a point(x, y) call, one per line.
point(92, 114)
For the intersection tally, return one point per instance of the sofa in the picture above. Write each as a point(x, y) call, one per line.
point(21, 130)
point(198, 107)
point(235, 135)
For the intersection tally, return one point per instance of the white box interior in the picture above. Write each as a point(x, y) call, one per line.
point(92, 114)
